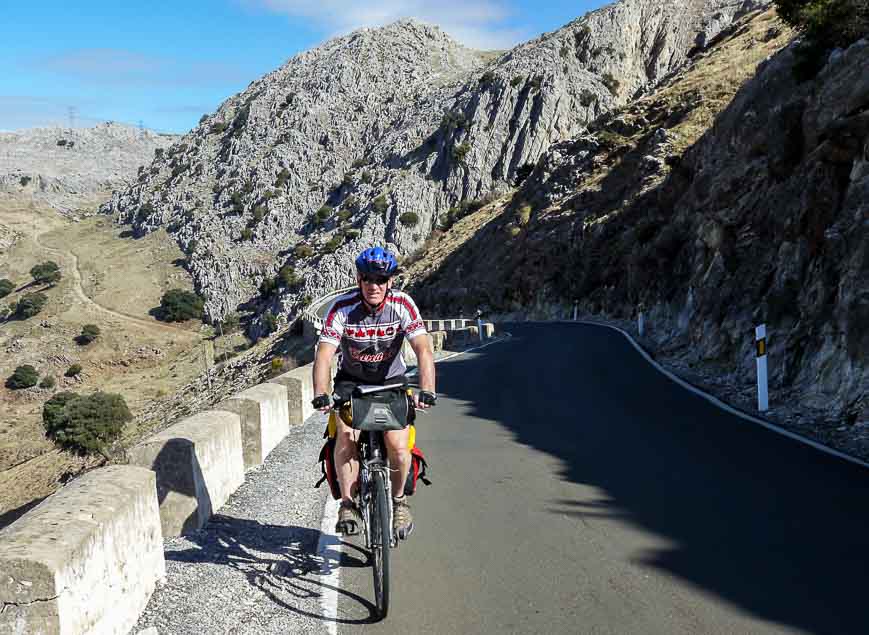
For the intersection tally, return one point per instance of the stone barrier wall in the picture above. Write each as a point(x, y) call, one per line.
point(86, 559)
point(265, 419)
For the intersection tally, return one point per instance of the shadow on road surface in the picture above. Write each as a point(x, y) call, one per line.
point(769, 525)
point(281, 561)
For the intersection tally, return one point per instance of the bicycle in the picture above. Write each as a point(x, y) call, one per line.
point(374, 493)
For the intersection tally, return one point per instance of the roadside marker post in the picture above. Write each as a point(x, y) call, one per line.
point(762, 380)
point(480, 324)
point(575, 308)
point(641, 321)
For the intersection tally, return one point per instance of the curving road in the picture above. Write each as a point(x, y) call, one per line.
point(576, 490)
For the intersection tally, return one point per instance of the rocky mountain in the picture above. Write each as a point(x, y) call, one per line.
point(731, 195)
point(69, 168)
point(377, 136)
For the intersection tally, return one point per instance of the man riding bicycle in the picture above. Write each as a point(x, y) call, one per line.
point(369, 325)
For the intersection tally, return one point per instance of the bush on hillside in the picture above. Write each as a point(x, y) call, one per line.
point(303, 251)
point(282, 178)
point(325, 212)
point(289, 277)
point(409, 219)
point(73, 371)
point(46, 273)
point(89, 332)
point(246, 234)
point(30, 305)
point(229, 324)
point(267, 286)
point(24, 376)
point(6, 287)
point(217, 128)
point(177, 305)
point(380, 204)
point(270, 322)
point(344, 215)
point(85, 424)
point(461, 151)
point(48, 382)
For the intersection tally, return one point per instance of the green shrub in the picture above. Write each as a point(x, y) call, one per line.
point(203, 119)
point(486, 78)
point(217, 128)
point(365, 177)
point(5, 312)
point(453, 120)
point(46, 273)
point(178, 305)
point(158, 153)
point(380, 204)
point(89, 333)
point(277, 366)
point(229, 324)
point(73, 371)
point(347, 181)
point(587, 98)
point(409, 219)
point(24, 181)
point(535, 82)
point(30, 305)
point(325, 212)
point(611, 83)
point(6, 287)
point(344, 215)
point(305, 300)
point(259, 212)
point(358, 163)
point(270, 322)
point(303, 251)
point(144, 212)
point(523, 215)
point(48, 382)
point(283, 177)
point(267, 286)
point(23, 377)
point(461, 151)
point(352, 234)
point(333, 244)
point(247, 233)
point(85, 424)
point(518, 79)
point(289, 277)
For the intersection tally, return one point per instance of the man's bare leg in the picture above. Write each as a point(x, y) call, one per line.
point(399, 458)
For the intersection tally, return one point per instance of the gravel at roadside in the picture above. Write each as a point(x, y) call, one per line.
point(254, 567)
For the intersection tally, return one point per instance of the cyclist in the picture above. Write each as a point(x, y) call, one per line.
point(367, 328)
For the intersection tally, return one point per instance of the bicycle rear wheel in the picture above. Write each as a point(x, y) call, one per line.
point(381, 532)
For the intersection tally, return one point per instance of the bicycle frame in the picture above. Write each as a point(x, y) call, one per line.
point(372, 458)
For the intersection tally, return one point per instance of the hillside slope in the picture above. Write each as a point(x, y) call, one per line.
point(383, 131)
point(714, 218)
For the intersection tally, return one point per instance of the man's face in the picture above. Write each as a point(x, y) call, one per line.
point(373, 287)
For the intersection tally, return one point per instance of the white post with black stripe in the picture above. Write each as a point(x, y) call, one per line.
point(480, 324)
point(762, 380)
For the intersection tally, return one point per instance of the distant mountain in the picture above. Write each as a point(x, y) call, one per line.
point(68, 168)
point(375, 137)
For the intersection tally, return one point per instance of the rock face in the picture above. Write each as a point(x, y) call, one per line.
point(68, 168)
point(714, 225)
point(384, 131)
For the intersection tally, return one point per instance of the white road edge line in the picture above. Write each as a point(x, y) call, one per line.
point(329, 539)
point(331, 571)
point(717, 402)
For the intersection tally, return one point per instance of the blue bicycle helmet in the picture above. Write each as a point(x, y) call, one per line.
point(377, 261)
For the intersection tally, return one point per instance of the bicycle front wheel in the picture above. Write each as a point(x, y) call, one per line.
point(381, 533)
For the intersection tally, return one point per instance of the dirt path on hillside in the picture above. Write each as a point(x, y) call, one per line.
point(84, 297)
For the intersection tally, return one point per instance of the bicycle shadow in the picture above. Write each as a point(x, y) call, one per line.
point(281, 561)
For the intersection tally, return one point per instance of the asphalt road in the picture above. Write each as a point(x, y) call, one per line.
point(578, 490)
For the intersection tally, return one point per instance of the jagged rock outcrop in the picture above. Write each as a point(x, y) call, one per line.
point(67, 168)
point(383, 131)
point(763, 219)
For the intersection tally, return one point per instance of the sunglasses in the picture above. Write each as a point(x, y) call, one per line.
point(375, 279)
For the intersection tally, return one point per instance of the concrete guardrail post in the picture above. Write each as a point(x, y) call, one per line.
point(199, 463)
point(265, 419)
point(86, 559)
point(299, 384)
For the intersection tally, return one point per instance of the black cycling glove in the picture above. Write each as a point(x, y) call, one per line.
point(428, 398)
point(321, 401)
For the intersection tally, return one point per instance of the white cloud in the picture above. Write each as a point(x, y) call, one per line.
point(475, 23)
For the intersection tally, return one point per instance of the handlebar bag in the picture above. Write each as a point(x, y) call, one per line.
point(380, 411)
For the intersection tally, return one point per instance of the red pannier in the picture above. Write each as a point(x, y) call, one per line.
point(417, 471)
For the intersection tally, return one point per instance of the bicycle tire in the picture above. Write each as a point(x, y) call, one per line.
point(381, 534)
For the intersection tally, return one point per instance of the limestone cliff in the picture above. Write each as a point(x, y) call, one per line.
point(374, 136)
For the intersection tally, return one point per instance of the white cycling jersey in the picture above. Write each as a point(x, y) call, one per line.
point(369, 343)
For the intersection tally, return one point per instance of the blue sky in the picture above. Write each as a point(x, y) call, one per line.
point(168, 64)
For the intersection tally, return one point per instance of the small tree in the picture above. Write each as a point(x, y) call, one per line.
point(89, 332)
point(177, 305)
point(46, 273)
point(73, 371)
point(30, 305)
point(461, 151)
point(325, 212)
point(289, 277)
point(380, 204)
point(24, 376)
point(303, 251)
point(47, 382)
point(270, 322)
point(6, 287)
point(409, 219)
point(247, 234)
point(86, 424)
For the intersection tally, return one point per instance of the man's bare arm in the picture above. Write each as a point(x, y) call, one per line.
point(323, 367)
point(421, 345)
